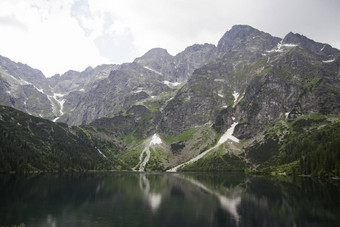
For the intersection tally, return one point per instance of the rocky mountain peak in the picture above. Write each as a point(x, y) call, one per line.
point(294, 38)
point(154, 53)
point(311, 45)
point(244, 37)
point(20, 70)
point(88, 69)
point(198, 47)
point(157, 60)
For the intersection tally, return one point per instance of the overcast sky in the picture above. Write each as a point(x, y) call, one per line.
point(58, 35)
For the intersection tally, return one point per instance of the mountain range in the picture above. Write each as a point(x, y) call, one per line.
point(254, 103)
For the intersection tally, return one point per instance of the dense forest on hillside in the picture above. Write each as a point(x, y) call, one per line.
point(29, 143)
point(312, 147)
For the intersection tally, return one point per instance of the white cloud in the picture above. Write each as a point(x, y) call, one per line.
point(176, 24)
point(55, 36)
point(52, 41)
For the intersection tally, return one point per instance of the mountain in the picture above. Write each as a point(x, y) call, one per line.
point(81, 97)
point(150, 80)
point(21, 87)
point(27, 89)
point(30, 144)
point(252, 103)
point(212, 87)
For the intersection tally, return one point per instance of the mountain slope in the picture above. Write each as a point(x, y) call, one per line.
point(150, 80)
point(27, 89)
point(254, 84)
point(33, 144)
point(63, 97)
point(210, 89)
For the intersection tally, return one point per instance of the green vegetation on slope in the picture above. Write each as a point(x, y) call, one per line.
point(157, 155)
point(312, 147)
point(184, 136)
point(29, 143)
point(218, 160)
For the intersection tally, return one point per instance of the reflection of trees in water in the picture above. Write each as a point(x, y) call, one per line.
point(289, 202)
point(154, 199)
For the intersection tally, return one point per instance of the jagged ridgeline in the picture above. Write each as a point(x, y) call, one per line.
point(253, 103)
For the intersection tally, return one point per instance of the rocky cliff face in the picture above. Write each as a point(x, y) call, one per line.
point(150, 80)
point(298, 78)
point(22, 87)
point(216, 86)
point(82, 97)
point(244, 37)
point(27, 89)
point(180, 67)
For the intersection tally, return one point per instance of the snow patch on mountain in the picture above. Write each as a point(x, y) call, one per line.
point(280, 45)
point(228, 135)
point(154, 140)
point(237, 98)
point(55, 119)
point(287, 114)
point(138, 91)
point(59, 98)
point(174, 84)
point(323, 48)
point(24, 82)
point(155, 71)
point(101, 153)
point(289, 45)
point(329, 61)
point(236, 95)
point(54, 108)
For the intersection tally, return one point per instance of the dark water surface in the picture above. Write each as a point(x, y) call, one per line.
point(159, 199)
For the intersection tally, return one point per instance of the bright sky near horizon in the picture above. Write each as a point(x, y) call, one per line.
point(59, 35)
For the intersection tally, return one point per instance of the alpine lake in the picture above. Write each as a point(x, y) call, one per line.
point(167, 199)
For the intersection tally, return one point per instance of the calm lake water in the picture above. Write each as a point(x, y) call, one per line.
point(159, 199)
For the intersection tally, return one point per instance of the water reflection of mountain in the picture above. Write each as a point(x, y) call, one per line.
point(262, 201)
point(229, 200)
point(157, 199)
point(154, 199)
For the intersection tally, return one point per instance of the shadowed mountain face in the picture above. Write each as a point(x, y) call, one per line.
point(250, 79)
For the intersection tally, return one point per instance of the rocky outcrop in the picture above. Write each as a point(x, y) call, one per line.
point(297, 81)
point(244, 37)
point(211, 87)
point(180, 67)
point(27, 89)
